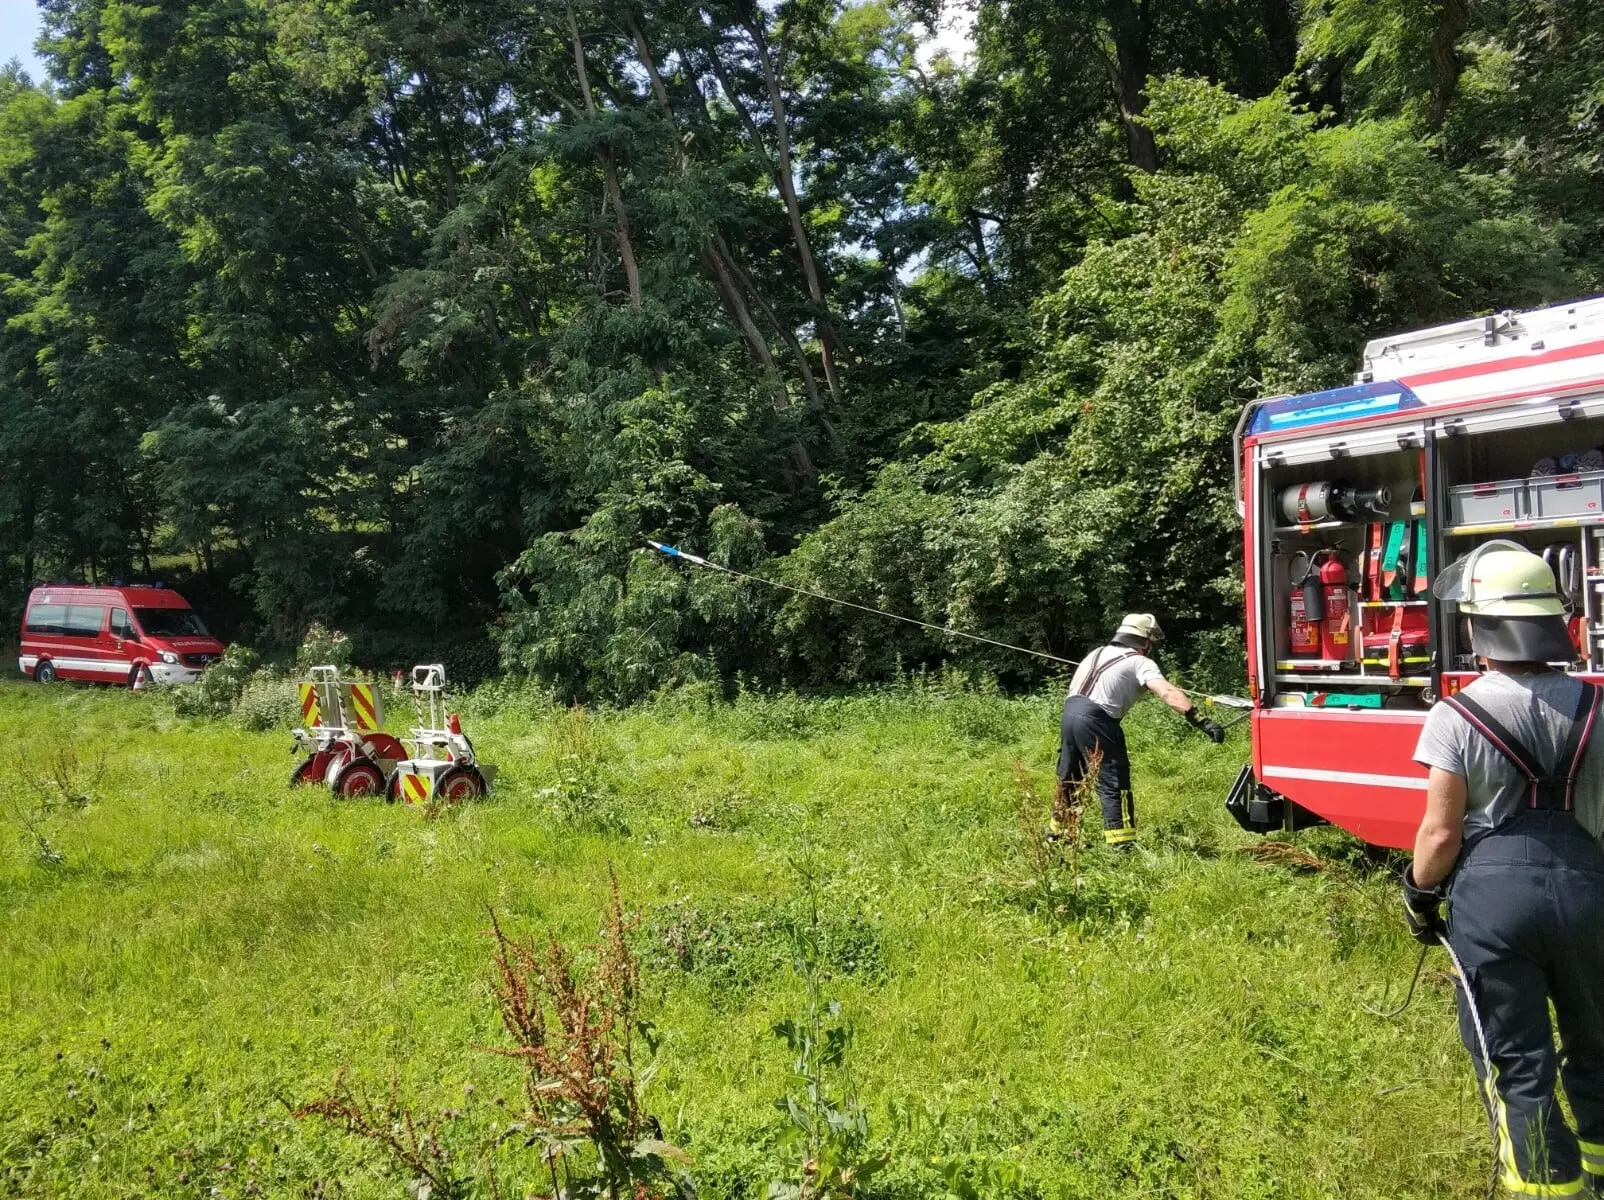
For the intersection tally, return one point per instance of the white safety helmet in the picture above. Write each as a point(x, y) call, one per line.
point(1512, 601)
point(1143, 626)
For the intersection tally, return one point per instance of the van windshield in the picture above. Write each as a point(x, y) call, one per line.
point(170, 622)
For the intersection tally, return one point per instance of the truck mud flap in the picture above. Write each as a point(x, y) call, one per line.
point(1259, 810)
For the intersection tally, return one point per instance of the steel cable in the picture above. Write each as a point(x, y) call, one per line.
point(675, 552)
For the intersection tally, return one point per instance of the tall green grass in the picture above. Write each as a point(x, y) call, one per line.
point(188, 946)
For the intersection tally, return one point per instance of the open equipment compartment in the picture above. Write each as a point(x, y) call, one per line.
point(1342, 570)
point(1533, 474)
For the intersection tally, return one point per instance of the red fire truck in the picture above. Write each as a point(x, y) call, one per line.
point(1351, 500)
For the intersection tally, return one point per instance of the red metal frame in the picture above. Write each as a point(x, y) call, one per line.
point(1352, 768)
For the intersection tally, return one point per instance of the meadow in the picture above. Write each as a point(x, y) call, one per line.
point(189, 949)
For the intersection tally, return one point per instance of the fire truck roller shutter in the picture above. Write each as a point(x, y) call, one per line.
point(1339, 444)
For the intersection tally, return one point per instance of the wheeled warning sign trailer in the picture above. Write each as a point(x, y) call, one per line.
point(342, 741)
point(443, 767)
point(1353, 499)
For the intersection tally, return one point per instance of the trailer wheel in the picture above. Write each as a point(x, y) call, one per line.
point(359, 777)
point(392, 788)
point(307, 771)
point(458, 784)
point(44, 672)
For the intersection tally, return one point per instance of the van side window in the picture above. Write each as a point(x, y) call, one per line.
point(48, 620)
point(121, 626)
point(85, 620)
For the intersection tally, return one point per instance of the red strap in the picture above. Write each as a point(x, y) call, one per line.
point(1581, 746)
point(1571, 754)
point(1495, 734)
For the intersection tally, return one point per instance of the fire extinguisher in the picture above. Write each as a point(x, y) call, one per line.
point(1336, 623)
point(1305, 608)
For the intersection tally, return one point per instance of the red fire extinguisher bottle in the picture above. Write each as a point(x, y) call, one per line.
point(1335, 642)
point(1304, 609)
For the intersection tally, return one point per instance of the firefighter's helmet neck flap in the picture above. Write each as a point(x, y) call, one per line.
point(1510, 597)
point(1138, 631)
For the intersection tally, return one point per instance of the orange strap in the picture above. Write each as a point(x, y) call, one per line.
point(1395, 644)
point(1376, 539)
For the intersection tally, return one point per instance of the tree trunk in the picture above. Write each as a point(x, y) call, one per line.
point(977, 229)
point(626, 249)
point(787, 335)
point(724, 272)
point(787, 183)
point(1131, 32)
point(755, 340)
point(643, 49)
point(615, 192)
point(896, 306)
point(27, 535)
point(733, 282)
point(1454, 15)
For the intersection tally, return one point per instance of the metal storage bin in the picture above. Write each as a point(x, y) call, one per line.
point(1487, 503)
point(1580, 495)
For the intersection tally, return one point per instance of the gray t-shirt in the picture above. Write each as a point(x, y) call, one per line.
point(1122, 674)
point(1537, 710)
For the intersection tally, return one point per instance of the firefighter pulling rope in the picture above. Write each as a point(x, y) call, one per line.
point(1105, 686)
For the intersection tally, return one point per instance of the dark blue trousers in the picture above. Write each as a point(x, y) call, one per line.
point(1526, 917)
point(1085, 731)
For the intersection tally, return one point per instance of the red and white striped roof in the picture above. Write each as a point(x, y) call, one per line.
point(1544, 352)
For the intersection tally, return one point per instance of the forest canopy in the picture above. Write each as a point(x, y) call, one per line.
point(419, 317)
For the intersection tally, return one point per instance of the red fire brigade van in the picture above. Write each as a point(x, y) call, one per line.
point(130, 635)
point(1352, 500)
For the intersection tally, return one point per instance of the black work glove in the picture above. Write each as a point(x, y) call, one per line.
point(1423, 910)
point(1209, 729)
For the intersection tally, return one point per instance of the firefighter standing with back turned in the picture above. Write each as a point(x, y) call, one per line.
point(1514, 807)
point(1108, 682)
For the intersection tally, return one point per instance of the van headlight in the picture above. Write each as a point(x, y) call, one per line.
point(169, 657)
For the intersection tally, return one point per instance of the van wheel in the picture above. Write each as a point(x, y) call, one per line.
point(140, 678)
point(44, 672)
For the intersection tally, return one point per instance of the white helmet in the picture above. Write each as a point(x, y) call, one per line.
point(1512, 601)
point(1140, 625)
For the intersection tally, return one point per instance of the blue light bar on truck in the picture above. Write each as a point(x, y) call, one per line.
point(1338, 404)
